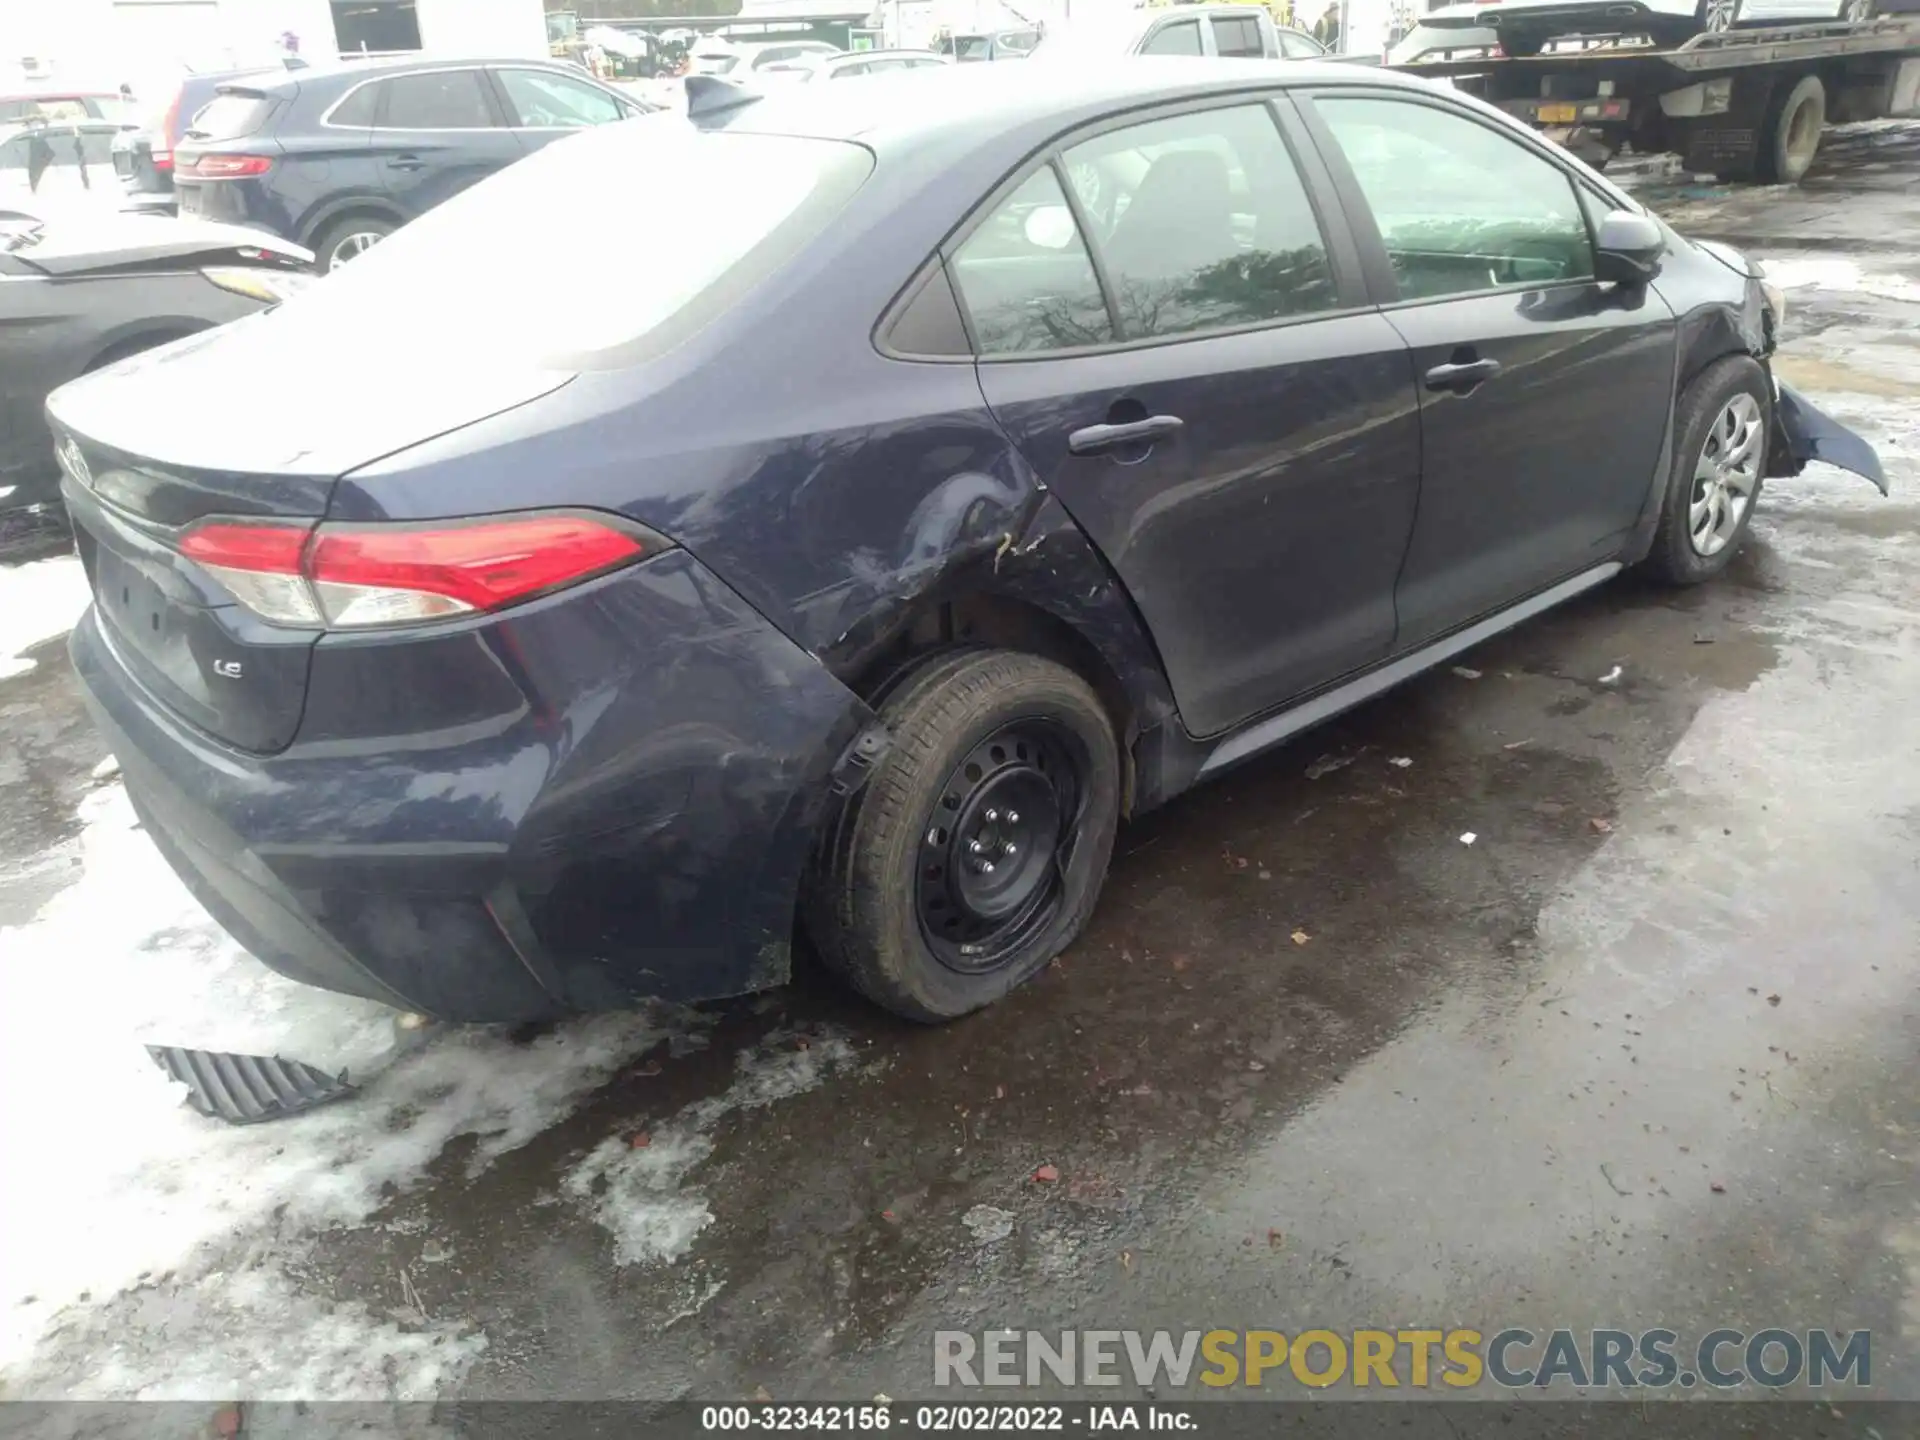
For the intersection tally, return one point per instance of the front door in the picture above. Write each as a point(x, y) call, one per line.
point(435, 133)
point(1543, 390)
point(1186, 358)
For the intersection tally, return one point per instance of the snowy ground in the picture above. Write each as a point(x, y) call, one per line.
point(129, 1187)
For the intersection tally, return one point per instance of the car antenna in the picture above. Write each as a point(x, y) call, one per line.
point(710, 94)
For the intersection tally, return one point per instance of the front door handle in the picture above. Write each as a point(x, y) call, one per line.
point(1095, 439)
point(1460, 376)
point(406, 162)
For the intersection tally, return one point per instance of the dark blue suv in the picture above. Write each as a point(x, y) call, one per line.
point(338, 159)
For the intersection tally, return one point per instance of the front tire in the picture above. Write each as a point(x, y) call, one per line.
point(1721, 425)
point(975, 852)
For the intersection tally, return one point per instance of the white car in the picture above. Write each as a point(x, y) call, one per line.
point(1524, 26)
point(857, 62)
point(737, 60)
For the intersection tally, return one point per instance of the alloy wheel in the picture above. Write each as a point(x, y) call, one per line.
point(1720, 15)
point(352, 247)
point(995, 849)
point(1726, 476)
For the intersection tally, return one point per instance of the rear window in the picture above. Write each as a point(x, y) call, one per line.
point(473, 277)
point(230, 117)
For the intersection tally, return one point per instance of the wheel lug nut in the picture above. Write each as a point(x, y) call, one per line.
point(988, 867)
point(1008, 849)
point(992, 815)
point(976, 847)
point(1013, 817)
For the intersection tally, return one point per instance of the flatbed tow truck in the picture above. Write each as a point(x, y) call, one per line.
point(1737, 104)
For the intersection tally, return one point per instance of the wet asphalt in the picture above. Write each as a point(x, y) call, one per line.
point(1642, 1054)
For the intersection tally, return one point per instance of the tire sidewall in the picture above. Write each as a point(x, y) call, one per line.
point(917, 982)
point(1701, 404)
point(1807, 90)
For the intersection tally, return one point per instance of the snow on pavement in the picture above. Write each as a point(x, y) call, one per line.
point(119, 1185)
point(38, 601)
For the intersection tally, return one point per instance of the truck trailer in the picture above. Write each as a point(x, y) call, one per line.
point(1740, 104)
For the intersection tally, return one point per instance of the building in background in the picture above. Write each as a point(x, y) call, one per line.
point(148, 43)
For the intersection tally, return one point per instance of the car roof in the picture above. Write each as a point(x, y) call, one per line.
point(977, 98)
point(349, 72)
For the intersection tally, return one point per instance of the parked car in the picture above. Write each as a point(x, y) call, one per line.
point(337, 159)
point(1235, 32)
point(495, 657)
point(143, 154)
point(58, 160)
point(1523, 26)
point(738, 60)
point(79, 291)
point(856, 63)
point(990, 45)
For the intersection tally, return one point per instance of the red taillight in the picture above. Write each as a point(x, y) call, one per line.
point(161, 159)
point(359, 576)
point(226, 167)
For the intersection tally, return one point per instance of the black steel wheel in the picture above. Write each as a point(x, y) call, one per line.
point(992, 855)
point(975, 853)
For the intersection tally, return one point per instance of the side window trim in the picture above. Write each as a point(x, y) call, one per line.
point(1378, 268)
point(487, 91)
point(1343, 253)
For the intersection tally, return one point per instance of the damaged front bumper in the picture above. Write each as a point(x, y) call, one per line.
point(1803, 432)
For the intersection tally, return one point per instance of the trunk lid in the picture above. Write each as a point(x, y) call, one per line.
point(257, 419)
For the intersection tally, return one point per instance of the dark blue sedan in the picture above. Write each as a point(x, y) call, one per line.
point(954, 467)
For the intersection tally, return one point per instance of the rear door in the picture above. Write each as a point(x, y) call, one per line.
point(435, 132)
point(542, 105)
point(1545, 393)
point(1176, 336)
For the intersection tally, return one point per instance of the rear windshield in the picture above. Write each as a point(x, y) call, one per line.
point(566, 261)
point(229, 117)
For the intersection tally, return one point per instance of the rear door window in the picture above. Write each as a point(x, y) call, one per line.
point(436, 100)
point(1180, 38)
point(1202, 223)
point(1026, 278)
point(1238, 36)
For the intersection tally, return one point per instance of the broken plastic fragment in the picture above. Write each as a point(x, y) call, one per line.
point(1611, 676)
point(1401, 761)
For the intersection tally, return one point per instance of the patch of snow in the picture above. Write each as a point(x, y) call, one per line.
point(38, 601)
point(635, 1192)
point(1825, 272)
point(989, 1223)
point(115, 1180)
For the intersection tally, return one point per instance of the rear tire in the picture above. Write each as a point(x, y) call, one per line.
point(1692, 543)
point(348, 238)
point(1791, 137)
point(932, 894)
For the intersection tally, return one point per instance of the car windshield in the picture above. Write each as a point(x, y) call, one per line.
point(469, 279)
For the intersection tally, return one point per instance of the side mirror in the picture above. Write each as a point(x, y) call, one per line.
point(1629, 248)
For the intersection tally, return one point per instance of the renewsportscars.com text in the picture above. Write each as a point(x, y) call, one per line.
point(1412, 1358)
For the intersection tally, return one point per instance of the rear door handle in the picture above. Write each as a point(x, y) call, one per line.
point(1095, 439)
point(1461, 375)
point(406, 162)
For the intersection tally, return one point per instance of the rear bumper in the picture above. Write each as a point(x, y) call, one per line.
point(603, 797)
